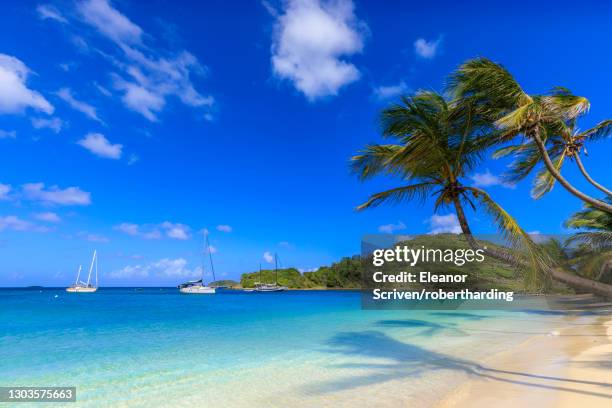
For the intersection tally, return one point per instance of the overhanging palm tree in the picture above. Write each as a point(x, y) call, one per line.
point(494, 93)
point(563, 142)
point(596, 226)
point(436, 145)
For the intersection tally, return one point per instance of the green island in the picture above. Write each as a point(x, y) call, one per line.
point(347, 272)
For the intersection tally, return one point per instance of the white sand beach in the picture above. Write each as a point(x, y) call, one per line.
point(571, 367)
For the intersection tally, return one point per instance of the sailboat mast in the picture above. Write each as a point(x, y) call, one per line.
point(78, 275)
point(212, 267)
point(96, 272)
point(276, 269)
point(91, 267)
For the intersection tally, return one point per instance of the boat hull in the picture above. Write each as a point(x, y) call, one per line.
point(198, 290)
point(79, 289)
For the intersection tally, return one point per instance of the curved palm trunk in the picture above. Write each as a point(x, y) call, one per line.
point(588, 177)
point(553, 171)
point(571, 280)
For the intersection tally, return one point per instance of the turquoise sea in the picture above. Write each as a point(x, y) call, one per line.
point(156, 347)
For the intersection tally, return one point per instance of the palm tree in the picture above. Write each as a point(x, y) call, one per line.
point(566, 142)
point(494, 93)
point(594, 252)
point(596, 226)
point(437, 144)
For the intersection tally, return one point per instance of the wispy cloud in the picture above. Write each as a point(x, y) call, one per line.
point(386, 92)
point(5, 189)
point(311, 42)
point(99, 145)
point(55, 195)
point(224, 228)
point(109, 21)
point(87, 236)
point(427, 49)
point(7, 134)
point(391, 228)
point(164, 268)
point(47, 11)
point(15, 96)
point(145, 76)
point(444, 224)
point(88, 110)
point(14, 223)
point(156, 231)
point(55, 124)
point(47, 217)
point(487, 179)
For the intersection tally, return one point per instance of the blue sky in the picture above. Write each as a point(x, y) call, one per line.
point(131, 126)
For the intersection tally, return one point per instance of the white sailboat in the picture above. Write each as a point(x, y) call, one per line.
point(86, 287)
point(198, 287)
point(270, 287)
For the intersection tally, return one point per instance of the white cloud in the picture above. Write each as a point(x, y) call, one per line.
point(7, 134)
point(55, 195)
point(391, 228)
point(444, 224)
point(176, 231)
point(149, 76)
point(133, 159)
point(66, 95)
point(55, 124)
point(224, 228)
point(110, 22)
point(427, 49)
point(308, 44)
point(302, 270)
point(140, 99)
point(94, 237)
point(15, 96)
point(385, 92)
point(47, 217)
point(14, 223)
point(164, 268)
point(100, 146)
point(47, 11)
point(155, 231)
point(128, 228)
point(487, 179)
point(268, 257)
point(5, 189)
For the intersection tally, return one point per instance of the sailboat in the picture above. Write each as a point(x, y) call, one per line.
point(198, 287)
point(86, 287)
point(270, 287)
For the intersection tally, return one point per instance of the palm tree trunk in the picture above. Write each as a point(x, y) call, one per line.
point(553, 171)
point(588, 177)
point(571, 280)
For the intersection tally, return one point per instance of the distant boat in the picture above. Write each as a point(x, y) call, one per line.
point(86, 287)
point(198, 287)
point(270, 287)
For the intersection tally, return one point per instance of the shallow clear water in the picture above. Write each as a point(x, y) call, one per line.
point(156, 347)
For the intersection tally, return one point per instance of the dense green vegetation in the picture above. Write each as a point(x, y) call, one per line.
point(225, 282)
point(347, 273)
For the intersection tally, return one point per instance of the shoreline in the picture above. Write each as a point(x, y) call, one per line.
point(568, 367)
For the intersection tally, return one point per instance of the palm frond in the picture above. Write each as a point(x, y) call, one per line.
point(397, 195)
point(544, 181)
point(512, 232)
point(374, 160)
point(601, 131)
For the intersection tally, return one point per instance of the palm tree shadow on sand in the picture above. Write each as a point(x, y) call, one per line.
point(405, 360)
